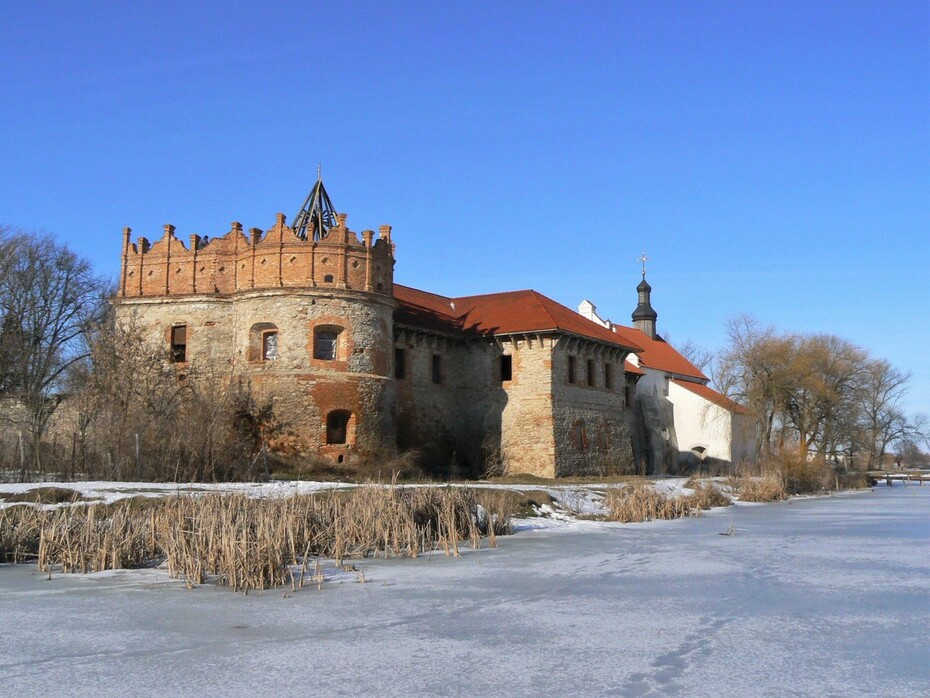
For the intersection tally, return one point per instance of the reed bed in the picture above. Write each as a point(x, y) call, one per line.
point(250, 544)
point(766, 488)
point(640, 502)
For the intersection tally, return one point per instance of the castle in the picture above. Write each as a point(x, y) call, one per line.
point(359, 367)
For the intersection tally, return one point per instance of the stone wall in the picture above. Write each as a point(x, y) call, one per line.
point(224, 335)
point(590, 421)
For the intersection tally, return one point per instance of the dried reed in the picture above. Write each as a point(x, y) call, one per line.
point(248, 543)
point(640, 502)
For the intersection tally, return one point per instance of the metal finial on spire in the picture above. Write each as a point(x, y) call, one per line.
point(643, 258)
point(317, 215)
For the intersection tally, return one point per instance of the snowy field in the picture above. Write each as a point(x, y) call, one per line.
point(819, 596)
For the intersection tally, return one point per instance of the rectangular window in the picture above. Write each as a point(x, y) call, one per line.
point(269, 345)
point(324, 345)
point(609, 376)
point(400, 366)
point(590, 372)
point(571, 369)
point(437, 368)
point(506, 368)
point(179, 343)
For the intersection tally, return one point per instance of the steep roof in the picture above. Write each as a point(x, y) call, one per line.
point(427, 310)
point(632, 368)
point(501, 313)
point(712, 396)
point(658, 354)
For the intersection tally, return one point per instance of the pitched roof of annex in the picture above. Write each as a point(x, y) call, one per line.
point(511, 312)
point(659, 354)
point(712, 396)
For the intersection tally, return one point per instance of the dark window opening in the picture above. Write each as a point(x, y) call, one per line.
point(590, 372)
point(437, 368)
point(324, 344)
point(269, 346)
point(400, 365)
point(328, 279)
point(571, 369)
point(627, 395)
point(609, 376)
point(506, 368)
point(179, 343)
point(337, 424)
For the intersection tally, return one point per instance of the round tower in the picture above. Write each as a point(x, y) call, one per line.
point(302, 314)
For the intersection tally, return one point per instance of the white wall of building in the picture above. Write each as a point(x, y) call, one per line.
point(699, 422)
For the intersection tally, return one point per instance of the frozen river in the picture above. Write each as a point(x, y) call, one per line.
point(827, 596)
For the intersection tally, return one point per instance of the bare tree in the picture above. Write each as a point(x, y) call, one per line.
point(884, 423)
point(48, 299)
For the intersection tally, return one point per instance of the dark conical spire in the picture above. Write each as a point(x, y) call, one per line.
point(644, 317)
point(317, 215)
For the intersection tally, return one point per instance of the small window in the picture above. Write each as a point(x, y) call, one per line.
point(270, 345)
point(179, 343)
point(571, 369)
point(400, 363)
point(506, 368)
point(328, 279)
point(609, 376)
point(437, 368)
point(337, 425)
point(590, 372)
point(324, 344)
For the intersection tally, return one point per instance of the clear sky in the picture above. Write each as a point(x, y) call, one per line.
point(771, 158)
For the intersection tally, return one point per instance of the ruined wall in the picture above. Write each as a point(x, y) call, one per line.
point(590, 421)
point(274, 259)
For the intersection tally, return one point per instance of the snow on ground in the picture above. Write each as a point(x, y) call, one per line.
point(571, 500)
point(825, 596)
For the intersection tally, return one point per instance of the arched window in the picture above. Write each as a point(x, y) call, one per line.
point(337, 426)
point(326, 342)
point(263, 342)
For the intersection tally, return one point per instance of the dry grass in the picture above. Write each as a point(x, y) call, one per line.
point(786, 475)
point(767, 488)
point(248, 543)
point(640, 502)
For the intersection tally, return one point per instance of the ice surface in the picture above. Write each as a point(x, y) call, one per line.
point(825, 596)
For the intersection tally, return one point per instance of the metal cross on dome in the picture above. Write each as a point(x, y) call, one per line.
point(643, 258)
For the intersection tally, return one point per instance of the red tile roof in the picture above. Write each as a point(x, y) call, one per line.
point(631, 368)
point(658, 354)
point(500, 313)
point(712, 395)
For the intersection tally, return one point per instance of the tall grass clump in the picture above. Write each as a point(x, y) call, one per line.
point(767, 488)
point(640, 502)
point(248, 543)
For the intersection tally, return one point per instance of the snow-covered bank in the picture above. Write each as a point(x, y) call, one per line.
point(569, 500)
point(809, 597)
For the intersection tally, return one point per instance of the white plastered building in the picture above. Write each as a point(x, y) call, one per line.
point(681, 418)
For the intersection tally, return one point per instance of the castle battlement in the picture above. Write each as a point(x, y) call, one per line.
point(275, 258)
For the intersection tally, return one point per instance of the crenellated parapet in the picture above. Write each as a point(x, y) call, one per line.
point(275, 258)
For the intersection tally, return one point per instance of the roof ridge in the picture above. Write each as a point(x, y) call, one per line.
point(427, 293)
point(540, 298)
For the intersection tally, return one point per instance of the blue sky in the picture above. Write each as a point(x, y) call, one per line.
point(770, 158)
